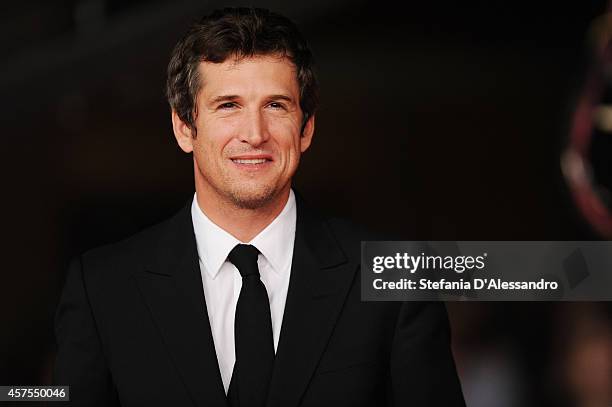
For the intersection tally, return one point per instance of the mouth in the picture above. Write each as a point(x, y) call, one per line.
point(252, 162)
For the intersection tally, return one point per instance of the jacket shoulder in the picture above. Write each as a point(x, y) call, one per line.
point(138, 249)
point(349, 235)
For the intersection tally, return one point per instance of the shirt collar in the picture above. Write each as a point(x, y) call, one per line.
point(275, 242)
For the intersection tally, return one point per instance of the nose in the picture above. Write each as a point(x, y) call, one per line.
point(255, 131)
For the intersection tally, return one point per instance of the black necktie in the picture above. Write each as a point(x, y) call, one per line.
point(252, 333)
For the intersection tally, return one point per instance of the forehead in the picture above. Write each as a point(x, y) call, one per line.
point(249, 75)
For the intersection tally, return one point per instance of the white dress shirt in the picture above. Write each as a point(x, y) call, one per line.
point(222, 281)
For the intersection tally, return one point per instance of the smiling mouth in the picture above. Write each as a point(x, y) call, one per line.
point(250, 161)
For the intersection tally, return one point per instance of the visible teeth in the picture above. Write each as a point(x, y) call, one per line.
point(256, 161)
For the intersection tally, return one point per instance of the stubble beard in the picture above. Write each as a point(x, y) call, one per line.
point(244, 195)
point(244, 199)
point(241, 193)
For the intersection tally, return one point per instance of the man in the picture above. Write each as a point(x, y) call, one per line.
point(246, 297)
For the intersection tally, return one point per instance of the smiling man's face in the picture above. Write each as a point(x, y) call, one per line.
point(248, 142)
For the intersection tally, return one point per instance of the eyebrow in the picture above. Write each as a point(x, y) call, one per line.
point(226, 98)
point(281, 97)
point(223, 98)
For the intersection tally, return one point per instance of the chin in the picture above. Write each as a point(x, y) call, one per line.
point(253, 198)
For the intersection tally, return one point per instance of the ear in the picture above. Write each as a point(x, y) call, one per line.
point(182, 132)
point(307, 133)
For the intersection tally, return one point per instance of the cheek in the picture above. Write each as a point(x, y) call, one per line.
point(214, 137)
point(287, 137)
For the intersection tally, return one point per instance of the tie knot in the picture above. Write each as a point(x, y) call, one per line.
point(244, 257)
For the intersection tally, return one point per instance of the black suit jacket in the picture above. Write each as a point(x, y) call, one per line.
point(132, 328)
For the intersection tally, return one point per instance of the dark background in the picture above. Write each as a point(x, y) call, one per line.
point(438, 121)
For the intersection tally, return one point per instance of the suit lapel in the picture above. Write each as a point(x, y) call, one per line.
point(320, 279)
point(171, 286)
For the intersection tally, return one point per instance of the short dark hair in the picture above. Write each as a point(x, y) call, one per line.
point(237, 32)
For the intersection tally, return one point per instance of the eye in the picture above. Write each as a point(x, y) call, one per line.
point(227, 105)
point(276, 105)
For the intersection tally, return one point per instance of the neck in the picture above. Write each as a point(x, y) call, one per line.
point(244, 224)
